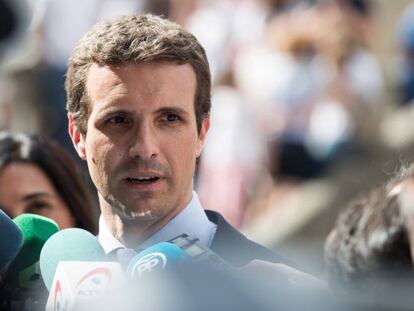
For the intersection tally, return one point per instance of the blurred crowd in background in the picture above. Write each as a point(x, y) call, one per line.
point(311, 103)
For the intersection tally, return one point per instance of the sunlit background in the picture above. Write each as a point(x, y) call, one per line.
point(312, 101)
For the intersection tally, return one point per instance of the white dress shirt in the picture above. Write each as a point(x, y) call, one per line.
point(192, 221)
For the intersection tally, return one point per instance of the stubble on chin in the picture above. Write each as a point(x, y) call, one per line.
point(130, 215)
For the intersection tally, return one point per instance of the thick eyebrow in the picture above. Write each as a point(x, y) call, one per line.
point(173, 109)
point(115, 109)
point(35, 195)
point(110, 110)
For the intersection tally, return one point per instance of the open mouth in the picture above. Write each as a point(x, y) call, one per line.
point(143, 180)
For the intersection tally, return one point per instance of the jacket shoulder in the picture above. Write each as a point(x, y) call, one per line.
point(234, 247)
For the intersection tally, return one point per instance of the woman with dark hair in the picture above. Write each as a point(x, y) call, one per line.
point(37, 176)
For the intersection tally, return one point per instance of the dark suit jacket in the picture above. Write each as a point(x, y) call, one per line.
point(235, 248)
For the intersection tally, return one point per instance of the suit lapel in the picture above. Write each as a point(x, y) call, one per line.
point(236, 249)
point(229, 243)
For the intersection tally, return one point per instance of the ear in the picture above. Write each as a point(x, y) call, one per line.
point(205, 125)
point(78, 139)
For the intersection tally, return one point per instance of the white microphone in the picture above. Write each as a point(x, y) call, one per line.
point(86, 285)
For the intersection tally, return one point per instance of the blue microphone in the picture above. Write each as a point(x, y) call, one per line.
point(160, 271)
point(186, 275)
point(11, 241)
point(157, 258)
point(172, 254)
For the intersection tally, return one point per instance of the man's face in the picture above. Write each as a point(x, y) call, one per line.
point(142, 142)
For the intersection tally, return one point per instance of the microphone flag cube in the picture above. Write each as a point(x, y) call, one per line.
point(79, 285)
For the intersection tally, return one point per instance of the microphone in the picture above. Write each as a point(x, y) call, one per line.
point(24, 272)
point(77, 274)
point(186, 275)
point(86, 285)
point(160, 271)
point(23, 288)
point(71, 244)
point(157, 258)
point(172, 254)
point(11, 242)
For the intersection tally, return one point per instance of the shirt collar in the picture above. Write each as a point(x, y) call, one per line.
point(192, 221)
point(106, 239)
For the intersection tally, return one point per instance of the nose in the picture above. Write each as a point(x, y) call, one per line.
point(144, 142)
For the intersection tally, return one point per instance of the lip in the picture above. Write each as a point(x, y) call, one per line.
point(143, 174)
point(143, 186)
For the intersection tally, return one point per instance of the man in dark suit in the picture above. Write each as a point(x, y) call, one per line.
point(138, 92)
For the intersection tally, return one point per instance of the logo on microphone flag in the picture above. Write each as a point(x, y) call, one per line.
point(153, 262)
point(94, 283)
point(58, 297)
point(78, 283)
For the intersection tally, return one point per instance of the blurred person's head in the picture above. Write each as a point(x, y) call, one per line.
point(348, 22)
point(39, 177)
point(135, 39)
point(368, 250)
point(295, 33)
point(310, 32)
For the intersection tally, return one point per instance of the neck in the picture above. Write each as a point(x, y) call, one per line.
point(133, 232)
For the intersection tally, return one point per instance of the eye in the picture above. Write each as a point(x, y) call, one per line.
point(117, 120)
point(170, 117)
point(38, 206)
